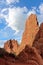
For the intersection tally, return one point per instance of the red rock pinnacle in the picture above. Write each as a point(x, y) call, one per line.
point(31, 29)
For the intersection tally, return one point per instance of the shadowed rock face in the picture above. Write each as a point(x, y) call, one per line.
point(11, 46)
point(29, 56)
point(41, 30)
point(31, 29)
point(38, 42)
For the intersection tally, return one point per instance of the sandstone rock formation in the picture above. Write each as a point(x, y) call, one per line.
point(30, 52)
point(29, 56)
point(11, 46)
point(31, 29)
point(38, 42)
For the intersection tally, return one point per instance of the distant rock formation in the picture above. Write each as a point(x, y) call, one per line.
point(31, 29)
point(38, 42)
point(11, 46)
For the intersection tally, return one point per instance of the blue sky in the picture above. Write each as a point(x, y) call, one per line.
point(13, 15)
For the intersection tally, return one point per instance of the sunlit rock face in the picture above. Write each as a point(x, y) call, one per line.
point(11, 46)
point(31, 29)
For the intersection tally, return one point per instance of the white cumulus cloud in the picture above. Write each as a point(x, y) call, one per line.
point(16, 18)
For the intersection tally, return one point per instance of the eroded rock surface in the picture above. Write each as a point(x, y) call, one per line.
point(11, 46)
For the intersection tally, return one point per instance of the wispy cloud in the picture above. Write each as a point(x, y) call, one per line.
point(41, 8)
point(11, 1)
point(40, 15)
point(2, 43)
point(31, 11)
